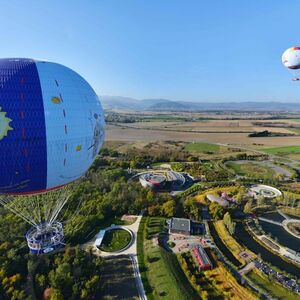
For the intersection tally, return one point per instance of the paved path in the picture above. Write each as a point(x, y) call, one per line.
point(283, 214)
point(131, 251)
point(270, 221)
point(137, 277)
point(247, 268)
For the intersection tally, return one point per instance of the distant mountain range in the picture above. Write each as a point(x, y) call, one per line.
point(116, 102)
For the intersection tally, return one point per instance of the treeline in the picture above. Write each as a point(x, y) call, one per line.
point(140, 158)
point(120, 118)
point(267, 133)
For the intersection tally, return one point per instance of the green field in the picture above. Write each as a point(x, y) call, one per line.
point(279, 150)
point(165, 279)
point(115, 240)
point(275, 290)
point(203, 147)
point(294, 130)
point(251, 170)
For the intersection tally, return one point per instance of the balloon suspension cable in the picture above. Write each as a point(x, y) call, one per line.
point(37, 209)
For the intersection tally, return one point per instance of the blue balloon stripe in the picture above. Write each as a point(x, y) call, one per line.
point(51, 126)
point(23, 159)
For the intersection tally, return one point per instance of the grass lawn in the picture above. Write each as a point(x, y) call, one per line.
point(278, 150)
point(115, 240)
point(165, 279)
point(251, 169)
point(203, 147)
point(294, 211)
point(273, 289)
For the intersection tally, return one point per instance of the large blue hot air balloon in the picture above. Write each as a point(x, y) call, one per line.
point(51, 130)
point(51, 126)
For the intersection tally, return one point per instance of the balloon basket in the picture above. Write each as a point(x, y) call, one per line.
point(45, 237)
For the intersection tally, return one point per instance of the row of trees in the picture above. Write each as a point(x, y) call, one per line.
point(229, 223)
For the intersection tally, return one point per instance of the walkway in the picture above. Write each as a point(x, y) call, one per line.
point(270, 221)
point(247, 268)
point(283, 214)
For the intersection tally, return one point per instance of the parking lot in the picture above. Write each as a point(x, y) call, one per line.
point(185, 243)
point(282, 279)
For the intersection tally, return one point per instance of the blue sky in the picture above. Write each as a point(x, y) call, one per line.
point(221, 50)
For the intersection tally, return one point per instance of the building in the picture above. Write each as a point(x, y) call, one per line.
point(163, 180)
point(177, 179)
point(180, 226)
point(152, 180)
point(201, 258)
point(221, 201)
point(99, 238)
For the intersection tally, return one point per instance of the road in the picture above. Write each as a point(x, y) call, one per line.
point(270, 221)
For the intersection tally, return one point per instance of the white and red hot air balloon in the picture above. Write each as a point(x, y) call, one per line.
point(291, 60)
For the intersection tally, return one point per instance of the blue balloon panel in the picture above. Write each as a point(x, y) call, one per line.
point(51, 126)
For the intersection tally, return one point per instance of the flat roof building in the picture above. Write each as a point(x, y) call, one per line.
point(180, 226)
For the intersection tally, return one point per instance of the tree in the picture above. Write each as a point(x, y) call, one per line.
point(229, 223)
point(168, 208)
point(56, 295)
point(204, 295)
point(248, 207)
point(192, 209)
point(91, 286)
point(216, 210)
point(40, 280)
point(193, 279)
point(261, 200)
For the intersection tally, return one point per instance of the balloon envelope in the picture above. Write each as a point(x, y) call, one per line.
point(51, 126)
point(291, 58)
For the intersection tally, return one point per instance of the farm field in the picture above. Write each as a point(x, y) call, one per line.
point(279, 150)
point(120, 133)
point(203, 147)
point(231, 128)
